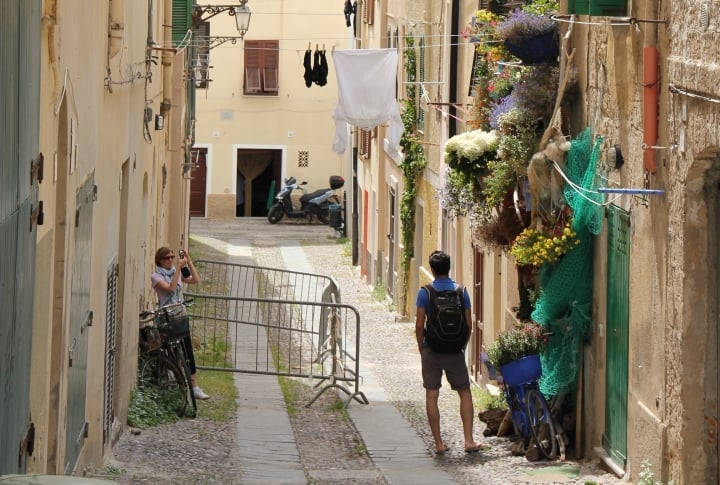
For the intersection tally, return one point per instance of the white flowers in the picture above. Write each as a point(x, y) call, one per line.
point(471, 145)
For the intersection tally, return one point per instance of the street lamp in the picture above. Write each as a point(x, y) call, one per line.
point(242, 13)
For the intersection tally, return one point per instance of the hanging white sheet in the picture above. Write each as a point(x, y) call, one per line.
point(366, 94)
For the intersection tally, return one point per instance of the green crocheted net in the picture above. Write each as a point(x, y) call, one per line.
point(565, 305)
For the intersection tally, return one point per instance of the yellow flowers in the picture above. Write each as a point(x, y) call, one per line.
point(539, 247)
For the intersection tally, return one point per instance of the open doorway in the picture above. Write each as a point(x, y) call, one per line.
point(257, 171)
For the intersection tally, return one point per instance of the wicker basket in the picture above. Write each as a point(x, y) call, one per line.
point(173, 323)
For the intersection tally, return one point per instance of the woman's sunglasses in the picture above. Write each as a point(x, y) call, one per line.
point(168, 257)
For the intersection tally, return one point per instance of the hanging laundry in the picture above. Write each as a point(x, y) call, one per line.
point(348, 11)
point(355, 18)
point(308, 69)
point(366, 94)
point(320, 69)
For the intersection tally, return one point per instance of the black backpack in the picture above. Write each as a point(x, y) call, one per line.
point(446, 330)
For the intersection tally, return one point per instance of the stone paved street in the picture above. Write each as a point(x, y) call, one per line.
point(392, 429)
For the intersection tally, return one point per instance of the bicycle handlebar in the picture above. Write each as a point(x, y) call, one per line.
point(151, 313)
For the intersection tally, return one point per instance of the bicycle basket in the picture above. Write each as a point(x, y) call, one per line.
point(173, 323)
point(522, 371)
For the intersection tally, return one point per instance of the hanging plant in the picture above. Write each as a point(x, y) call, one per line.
point(538, 247)
point(470, 152)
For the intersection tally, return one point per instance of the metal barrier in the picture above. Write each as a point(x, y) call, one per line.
point(260, 320)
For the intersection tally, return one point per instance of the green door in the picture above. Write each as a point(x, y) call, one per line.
point(616, 351)
point(605, 8)
point(20, 212)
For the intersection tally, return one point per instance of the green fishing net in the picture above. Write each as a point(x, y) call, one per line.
point(564, 307)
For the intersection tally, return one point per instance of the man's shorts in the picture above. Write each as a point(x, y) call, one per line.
point(454, 366)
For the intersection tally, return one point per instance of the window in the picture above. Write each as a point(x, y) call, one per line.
point(201, 63)
point(261, 68)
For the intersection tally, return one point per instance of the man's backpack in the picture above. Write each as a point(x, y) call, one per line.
point(446, 331)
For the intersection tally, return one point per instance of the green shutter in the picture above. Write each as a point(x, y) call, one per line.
point(605, 8)
point(181, 19)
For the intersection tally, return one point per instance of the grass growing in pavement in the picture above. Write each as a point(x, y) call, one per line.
point(144, 410)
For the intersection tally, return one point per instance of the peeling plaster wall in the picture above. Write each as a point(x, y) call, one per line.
point(673, 353)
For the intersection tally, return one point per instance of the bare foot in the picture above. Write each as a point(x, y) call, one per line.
point(440, 450)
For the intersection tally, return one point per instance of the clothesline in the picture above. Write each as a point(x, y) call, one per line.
point(199, 42)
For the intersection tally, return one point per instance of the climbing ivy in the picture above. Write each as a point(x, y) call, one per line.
point(412, 166)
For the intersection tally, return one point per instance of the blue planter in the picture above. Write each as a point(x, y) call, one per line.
point(522, 371)
point(540, 49)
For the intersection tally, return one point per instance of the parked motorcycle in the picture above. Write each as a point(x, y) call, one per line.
point(314, 204)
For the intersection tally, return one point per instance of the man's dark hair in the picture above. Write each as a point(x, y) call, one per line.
point(440, 263)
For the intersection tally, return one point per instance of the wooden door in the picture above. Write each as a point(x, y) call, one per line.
point(616, 350)
point(198, 183)
point(477, 292)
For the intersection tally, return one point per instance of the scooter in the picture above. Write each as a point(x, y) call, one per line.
point(314, 204)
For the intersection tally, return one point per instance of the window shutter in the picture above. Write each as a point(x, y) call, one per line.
point(181, 19)
point(252, 66)
point(270, 64)
point(270, 80)
point(368, 11)
point(421, 78)
point(365, 143)
point(605, 8)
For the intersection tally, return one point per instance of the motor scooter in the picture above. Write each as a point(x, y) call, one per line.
point(314, 204)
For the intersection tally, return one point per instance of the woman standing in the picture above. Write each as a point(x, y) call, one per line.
point(167, 280)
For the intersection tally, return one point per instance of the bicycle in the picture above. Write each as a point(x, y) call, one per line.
point(164, 367)
point(530, 412)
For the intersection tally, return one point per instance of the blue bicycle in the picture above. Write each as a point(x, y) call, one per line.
point(528, 407)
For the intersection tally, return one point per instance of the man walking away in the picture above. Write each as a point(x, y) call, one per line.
point(442, 329)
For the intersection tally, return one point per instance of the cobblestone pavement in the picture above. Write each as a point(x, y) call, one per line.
point(331, 450)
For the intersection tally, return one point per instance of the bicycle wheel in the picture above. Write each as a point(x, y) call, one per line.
point(185, 367)
point(160, 377)
point(541, 423)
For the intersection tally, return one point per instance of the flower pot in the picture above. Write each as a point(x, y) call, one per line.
point(522, 371)
point(541, 49)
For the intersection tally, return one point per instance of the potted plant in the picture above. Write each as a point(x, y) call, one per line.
point(530, 37)
point(516, 352)
point(470, 152)
point(537, 247)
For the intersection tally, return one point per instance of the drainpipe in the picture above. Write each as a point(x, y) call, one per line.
point(650, 89)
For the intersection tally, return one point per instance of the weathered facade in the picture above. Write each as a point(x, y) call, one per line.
point(647, 77)
point(108, 86)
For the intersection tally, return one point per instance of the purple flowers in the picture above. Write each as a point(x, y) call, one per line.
point(520, 26)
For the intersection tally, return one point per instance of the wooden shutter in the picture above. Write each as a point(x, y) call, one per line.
point(365, 143)
point(181, 19)
point(261, 67)
point(368, 11)
point(271, 62)
point(605, 8)
point(252, 67)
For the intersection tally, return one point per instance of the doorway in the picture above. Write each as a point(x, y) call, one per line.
point(477, 312)
point(258, 173)
point(198, 182)
point(618, 321)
